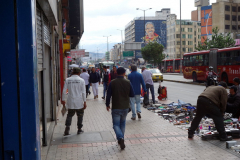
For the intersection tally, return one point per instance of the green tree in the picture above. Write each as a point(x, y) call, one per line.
point(152, 52)
point(218, 41)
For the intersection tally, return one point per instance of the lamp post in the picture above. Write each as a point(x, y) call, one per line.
point(97, 54)
point(181, 37)
point(107, 43)
point(144, 21)
point(122, 43)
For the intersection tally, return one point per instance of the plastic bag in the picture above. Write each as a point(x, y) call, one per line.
point(146, 100)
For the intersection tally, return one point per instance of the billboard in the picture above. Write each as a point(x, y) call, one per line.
point(78, 53)
point(206, 22)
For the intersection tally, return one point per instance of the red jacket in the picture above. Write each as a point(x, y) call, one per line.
point(206, 76)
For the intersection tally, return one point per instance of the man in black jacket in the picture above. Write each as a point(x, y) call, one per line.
point(233, 103)
point(105, 80)
point(94, 81)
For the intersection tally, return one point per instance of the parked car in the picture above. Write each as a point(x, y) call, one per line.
point(156, 74)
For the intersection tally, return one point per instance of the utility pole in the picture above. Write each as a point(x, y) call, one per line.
point(107, 44)
point(122, 44)
point(181, 37)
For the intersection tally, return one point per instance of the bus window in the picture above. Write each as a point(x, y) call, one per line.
point(235, 57)
point(206, 59)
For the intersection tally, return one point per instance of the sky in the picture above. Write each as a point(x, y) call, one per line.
point(105, 17)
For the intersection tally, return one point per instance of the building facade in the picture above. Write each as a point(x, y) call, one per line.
point(191, 36)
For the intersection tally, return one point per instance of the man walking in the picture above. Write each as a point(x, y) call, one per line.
point(85, 76)
point(213, 102)
point(94, 81)
point(105, 80)
point(120, 90)
point(136, 80)
point(76, 101)
point(147, 76)
point(113, 74)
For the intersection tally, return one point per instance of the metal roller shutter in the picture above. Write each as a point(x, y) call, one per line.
point(39, 41)
point(46, 31)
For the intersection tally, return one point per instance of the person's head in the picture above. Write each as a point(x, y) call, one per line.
point(108, 67)
point(210, 68)
point(223, 84)
point(114, 69)
point(104, 68)
point(236, 81)
point(76, 71)
point(121, 71)
point(150, 29)
point(134, 68)
point(143, 68)
point(84, 70)
point(93, 69)
point(233, 90)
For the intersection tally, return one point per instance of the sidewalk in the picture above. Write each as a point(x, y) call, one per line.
point(176, 77)
point(148, 138)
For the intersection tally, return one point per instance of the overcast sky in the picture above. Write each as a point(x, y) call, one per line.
point(104, 17)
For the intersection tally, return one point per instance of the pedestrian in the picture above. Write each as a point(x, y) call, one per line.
point(120, 90)
point(113, 74)
point(233, 103)
point(212, 101)
point(76, 101)
point(94, 81)
point(236, 82)
point(108, 69)
point(105, 80)
point(136, 80)
point(85, 76)
point(147, 76)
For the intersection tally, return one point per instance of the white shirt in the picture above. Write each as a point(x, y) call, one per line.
point(147, 77)
point(85, 76)
point(76, 92)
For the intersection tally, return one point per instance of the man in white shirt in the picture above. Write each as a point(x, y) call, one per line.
point(85, 76)
point(76, 101)
point(147, 77)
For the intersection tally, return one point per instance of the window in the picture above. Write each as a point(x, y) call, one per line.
point(226, 58)
point(178, 35)
point(195, 60)
point(227, 17)
point(183, 36)
point(195, 40)
point(190, 49)
point(190, 42)
point(234, 18)
point(238, 9)
point(199, 36)
point(194, 33)
point(183, 30)
point(178, 43)
point(234, 27)
point(183, 42)
point(227, 8)
point(238, 27)
point(199, 29)
point(239, 17)
point(190, 36)
point(184, 49)
point(227, 26)
point(234, 9)
point(189, 29)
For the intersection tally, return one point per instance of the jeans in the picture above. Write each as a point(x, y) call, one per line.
point(105, 86)
point(119, 121)
point(71, 112)
point(205, 106)
point(151, 87)
point(136, 100)
point(87, 90)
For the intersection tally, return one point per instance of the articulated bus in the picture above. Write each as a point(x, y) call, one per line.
point(171, 65)
point(225, 62)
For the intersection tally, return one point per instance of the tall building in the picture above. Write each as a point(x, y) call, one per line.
point(154, 29)
point(196, 15)
point(191, 36)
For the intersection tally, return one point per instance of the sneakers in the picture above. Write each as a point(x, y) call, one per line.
point(139, 115)
point(227, 138)
point(89, 93)
point(80, 131)
point(133, 118)
point(66, 132)
point(121, 143)
point(96, 96)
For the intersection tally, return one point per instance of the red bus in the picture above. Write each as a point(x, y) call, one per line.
point(171, 65)
point(225, 62)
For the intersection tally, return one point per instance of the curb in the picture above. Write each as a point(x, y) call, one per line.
point(194, 83)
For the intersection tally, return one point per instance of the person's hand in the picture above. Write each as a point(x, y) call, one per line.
point(108, 108)
point(84, 105)
point(63, 102)
point(145, 92)
point(90, 84)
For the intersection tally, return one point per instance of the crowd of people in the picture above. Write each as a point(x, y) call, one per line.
point(125, 97)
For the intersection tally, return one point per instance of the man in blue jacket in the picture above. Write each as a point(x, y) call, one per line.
point(136, 80)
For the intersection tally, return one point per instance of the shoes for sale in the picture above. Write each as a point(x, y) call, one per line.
point(80, 131)
point(139, 115)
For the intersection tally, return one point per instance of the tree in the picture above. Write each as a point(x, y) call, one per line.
point(218, 41)
point(152, 52)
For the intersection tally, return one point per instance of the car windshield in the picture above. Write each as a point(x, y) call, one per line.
point(155, 71)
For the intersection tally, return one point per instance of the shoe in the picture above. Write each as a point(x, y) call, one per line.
point(66, 132)
point(139, 115)
point(118, 142)
point(190, 134)
point(227, 138)
point(103, 98)
point(95, 97)
point(133, 118)
point(89, 93)
point(80, 131)
point(122, 145)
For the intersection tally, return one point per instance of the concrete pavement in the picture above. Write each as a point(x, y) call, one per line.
point(148, 138)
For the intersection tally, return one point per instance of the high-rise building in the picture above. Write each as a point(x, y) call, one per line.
point(191, 36)
point(196, 15)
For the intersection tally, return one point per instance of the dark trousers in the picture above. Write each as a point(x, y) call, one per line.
point(71, 112)
point(205, 106)
point(151, 87)
point(87, 90)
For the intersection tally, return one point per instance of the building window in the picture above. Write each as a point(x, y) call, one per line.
point(178, 43)
point(227, 26)
point(183, 42)
point(190, 49)
point(199, 36)
point(234, 27)
point(182, 30)
point(189, 29)
point(190, 36)
point(227, 17)
point(190, 42)
point(239, 17)
point(234, 9)
point(195, 40)
point(238, 9)
point(195, 33)
point(184, 49)
point(183, 35)
point(234, 18)
point(238, 27)
point(227, 8)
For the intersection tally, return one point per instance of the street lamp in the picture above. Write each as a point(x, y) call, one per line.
point(107, 41)
point(122, 42)
point(144, 21)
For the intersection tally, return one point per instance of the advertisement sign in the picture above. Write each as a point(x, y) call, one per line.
point(206, 22)
point(78, 53)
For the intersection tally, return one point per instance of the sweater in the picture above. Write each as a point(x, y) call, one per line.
point(218, 95)
point(136, 80)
